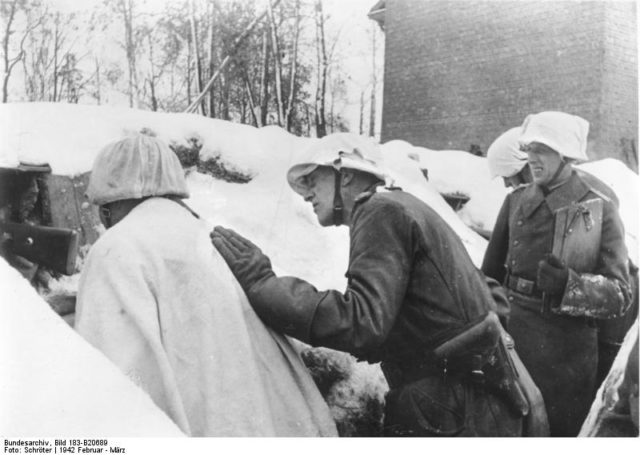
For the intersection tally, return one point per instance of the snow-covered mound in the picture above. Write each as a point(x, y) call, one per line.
point(454, 171)
point(55, 384)
point(626, 184)
point(68, 137)
point(614, 412)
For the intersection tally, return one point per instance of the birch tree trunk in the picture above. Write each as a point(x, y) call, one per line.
point(264, 79)
point(98, 94)
point(321, 52)
point(277, 62)
point(251, 98)
point(56, 44)
point(152, 78)
point(293, 71)
point(374, 86)
point(126, 8)
point(196, 55)
point(211, 58)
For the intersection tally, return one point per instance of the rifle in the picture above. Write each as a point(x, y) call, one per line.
point(51, 247)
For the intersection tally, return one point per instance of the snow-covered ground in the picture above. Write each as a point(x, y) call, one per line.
point(266, 210)
point(54, 384)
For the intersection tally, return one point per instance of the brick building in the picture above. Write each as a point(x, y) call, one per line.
point(459, 73)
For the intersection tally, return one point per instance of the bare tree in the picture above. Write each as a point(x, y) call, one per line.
point(277, 61)
point(264, 79)
point(126, 9)
point(9, 10)
point(98, 91)
point(258, 103)
point(322, 67)
point(212, 53)
point(50, 62)
point(153, 76)
point(293, 70)
point(234, 46)
point(374, 85)
point(197, 59)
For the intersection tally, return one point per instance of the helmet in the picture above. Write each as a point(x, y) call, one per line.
point(504, 156)
point(564, 133)
point(135, 167)
point(339, 151)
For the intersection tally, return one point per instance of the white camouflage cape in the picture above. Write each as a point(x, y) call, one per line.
point(157, 299)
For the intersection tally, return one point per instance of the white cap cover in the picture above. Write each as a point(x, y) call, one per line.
point(504, 156)
point(135, 167)
point(339, 150)
point(564, 133)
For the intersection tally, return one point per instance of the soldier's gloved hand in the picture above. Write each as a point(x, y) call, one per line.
point(552, 275)
point(247, 262)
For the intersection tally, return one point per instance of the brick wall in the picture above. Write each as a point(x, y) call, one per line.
point(461, 72)
point(618, 122)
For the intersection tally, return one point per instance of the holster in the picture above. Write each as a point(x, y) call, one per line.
point(502, 378)
point(488, 353)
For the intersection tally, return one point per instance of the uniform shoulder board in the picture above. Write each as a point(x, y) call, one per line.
point(521, 187)
point(378, 189)
point(600, 194)
point(364, 196)
point(591, 181)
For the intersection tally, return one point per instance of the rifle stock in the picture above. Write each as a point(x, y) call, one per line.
point(51, 247)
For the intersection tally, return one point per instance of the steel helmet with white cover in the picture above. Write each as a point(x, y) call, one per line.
point(504, 156)
point(338, 151)
point(564, 133)
point(136, 167)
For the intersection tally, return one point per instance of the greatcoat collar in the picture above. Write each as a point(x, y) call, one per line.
point(572, 190)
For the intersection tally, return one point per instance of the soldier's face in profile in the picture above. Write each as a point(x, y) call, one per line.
point(320, 188)
point(543, 162)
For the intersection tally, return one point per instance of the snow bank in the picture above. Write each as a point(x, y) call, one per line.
point(68, 137)
point(406, 163)
point(609, 397)
point(454, 171)
point(54, 384)
point(626, 184)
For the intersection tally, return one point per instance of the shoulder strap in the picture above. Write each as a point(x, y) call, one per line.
point(181, 203)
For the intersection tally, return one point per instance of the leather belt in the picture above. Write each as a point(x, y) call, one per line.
point(523, 286)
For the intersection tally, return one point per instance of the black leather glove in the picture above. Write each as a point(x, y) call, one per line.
point(552, 275)
point(248, 264)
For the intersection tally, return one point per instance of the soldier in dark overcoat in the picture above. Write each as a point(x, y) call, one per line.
point(554, 304)
point(411, 288)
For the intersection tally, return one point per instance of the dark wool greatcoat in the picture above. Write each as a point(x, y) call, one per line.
point(559, 347)
point(411, 286)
